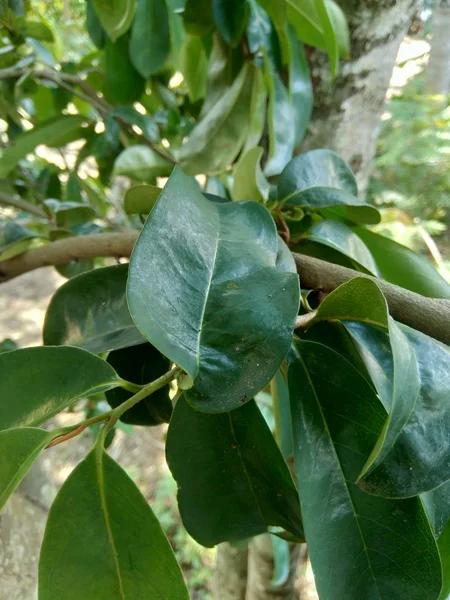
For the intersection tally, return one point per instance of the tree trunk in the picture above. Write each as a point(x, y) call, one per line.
point(231, 572)
point(438, 69)
point(347, 112)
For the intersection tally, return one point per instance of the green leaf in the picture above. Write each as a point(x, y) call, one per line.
point(230, 17)
point(37, 383)
point(339, 236)
point(331, 43)
point(300, 87)
point(69, 214)
point(115, 16)
point(281, 560)
point(142, 163)
point(320, 179)
point(94, 27)
point(123, 83)
point(91, 311)
point(141, 364)
point(360, 546)
point(232, 480)
point(146, 123)
point(258, 106)
point(202, 283)
point(50, 133)
point(150, 37)
point(7, 344)
point(105, 540)
point(39, 31)
point(219, 76)
point(15, 239)
point(194, 66)
point(198, 17)
point(217, 139)
point(418, 460)
point(402, 266)
point(140, 199)
point(19, 448)
point(249, 182)
point(444, 551)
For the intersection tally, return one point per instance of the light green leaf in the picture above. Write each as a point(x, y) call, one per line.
point(37, 383)
point(105, 540)
point(402, 266)
point(19, 448)
point(235, 483)
point(249, 182)
point(230, 17)
point(90, 311)
point(115, 16)
point(50, 133)
point(320, 180)
point(39, 31)
point(375, 548)
point(300, 87)
point(142, 163)
point(194, 66)
point(140, 199)
point(258, 109)
point(202, 283)
point(123, 83)
point(150, 37)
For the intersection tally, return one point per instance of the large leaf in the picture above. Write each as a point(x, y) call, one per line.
point(194, 65)
point(91, 311)
point(142, 163)
point(105, 541)
point(402, 266)
point(320, 179)
point(141, 364)
point(37, 383)
point(192, 293)
point(360, 546)
point(50, 133)
point(249, 182)
point(115, 16)
point(230, 17)
point(232, 480)
point(217, 138)
point(123, 83)
point(150, 37)
point(19, 448)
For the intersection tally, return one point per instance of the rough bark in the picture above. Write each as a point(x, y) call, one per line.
point(438, 69)
point(231, 572)
point(347, 112)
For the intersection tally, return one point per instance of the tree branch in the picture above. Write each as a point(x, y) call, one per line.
point(429, 315)
point(16, 202)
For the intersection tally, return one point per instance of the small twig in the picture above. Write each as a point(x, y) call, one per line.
point(16, 202)
point(286, 234)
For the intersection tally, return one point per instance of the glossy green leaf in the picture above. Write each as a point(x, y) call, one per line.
point(123, 83)
point(360, 546)
point(115, 16)
point(91, 311)
point(232, 480)
point(94, 27)
point(418, 460)
point(15, 239)
point(194, 66)
point(19, 448)
point(69, 214)
point(300, 87)
point(249, 182)
point(105, 540)
point(140, 199)
point(444, 551)
point(402, 266)
point(37, 383)
point(339, 236)
point(277, 14)
point(141, 364)
point(142, 163)
point(217, 138)
point(320, 179)
point(198, 17)
point(331, 43)
point(230, 18)
point(150, 37)
point(202, 282)
point(50, 132)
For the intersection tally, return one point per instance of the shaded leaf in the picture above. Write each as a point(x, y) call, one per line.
point(198, 17)
point(123, 84)
point(202, 282)
point(142, 163)
point(106, 541)
point(140, 199)
point(444, 551)
point(150, 37)
point(115, 16)
point(230, 18)
point(232, 480)
point(194, 65)
point(94, 27)
point(249, 182)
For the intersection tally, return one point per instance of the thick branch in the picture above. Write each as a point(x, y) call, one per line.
point(425, 314)
point(16, 202)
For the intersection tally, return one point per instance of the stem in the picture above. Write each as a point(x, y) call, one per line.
point(302, 321)
point(16, 202)
point(130, 386)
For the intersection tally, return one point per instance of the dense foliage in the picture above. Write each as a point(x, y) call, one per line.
point(197, 330)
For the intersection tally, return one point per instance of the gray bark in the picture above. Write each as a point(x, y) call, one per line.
point(231, 573)
point(347, 112)
point(438, 69)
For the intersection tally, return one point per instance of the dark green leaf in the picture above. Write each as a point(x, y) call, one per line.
point(249, 182)
point(15, 239)
point(202, 282)
point(150, 37)
point(219, 76)
point(37, 383)
point(320, 179)
point(194, 65)
point(300, 87)
point(123, 84)
point(94, 27)
point(7, 345)
point(105, 540)
point(258, 111)
point(142, 163)
point(198, 17)
point(360, 546)
point(73, 188)
point(230, 18)
point(141, 364)
point(444, 551)
point(140, 199)
point(232, 480)
point(115, 16)
point(90, 311)
point(402, 266)
point(19, 448)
